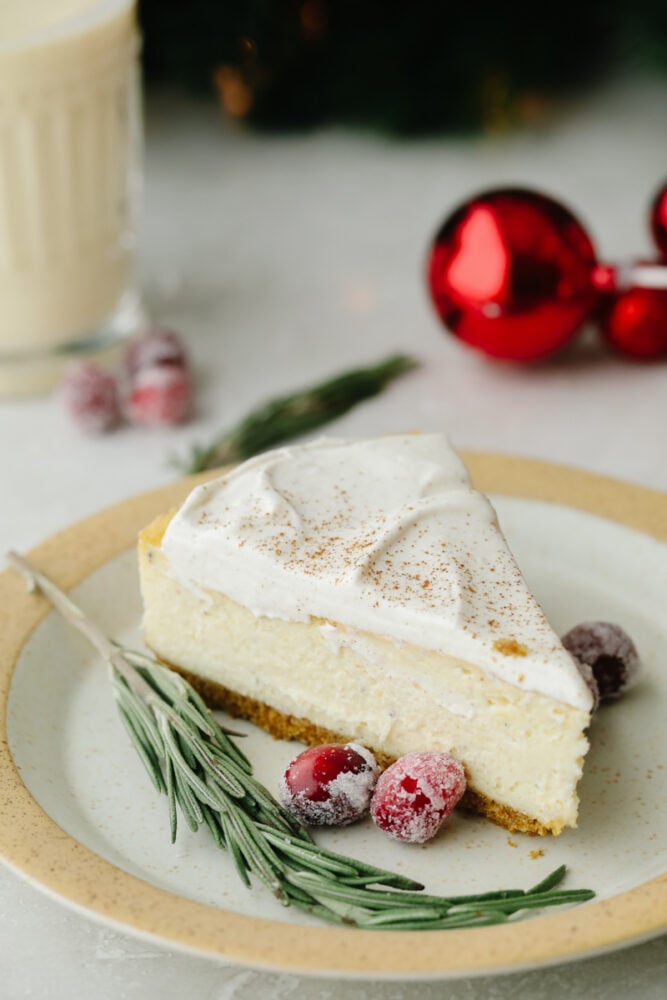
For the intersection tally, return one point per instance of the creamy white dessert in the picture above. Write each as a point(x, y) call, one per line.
point(363, 590)
point(69, 162)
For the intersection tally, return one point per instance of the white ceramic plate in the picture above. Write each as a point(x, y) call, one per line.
point(85, 823)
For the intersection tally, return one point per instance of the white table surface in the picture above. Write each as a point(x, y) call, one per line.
point(283, 261)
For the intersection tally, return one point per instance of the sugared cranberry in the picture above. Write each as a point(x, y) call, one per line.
point(610, 653)
point(90, 395)
point(153, 347)
point(329, 785)
point(416, 794)
point(160, 395)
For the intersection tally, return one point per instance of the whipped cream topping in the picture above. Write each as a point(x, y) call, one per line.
point(384, 535)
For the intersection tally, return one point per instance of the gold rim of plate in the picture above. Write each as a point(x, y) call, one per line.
point(33, 844)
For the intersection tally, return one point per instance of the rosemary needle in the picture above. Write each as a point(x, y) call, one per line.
point(208, 781)
point(293, 415)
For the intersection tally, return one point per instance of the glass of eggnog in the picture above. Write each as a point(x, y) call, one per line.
point(70, 169)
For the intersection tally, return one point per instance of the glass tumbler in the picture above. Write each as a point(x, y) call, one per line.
point(70, 177)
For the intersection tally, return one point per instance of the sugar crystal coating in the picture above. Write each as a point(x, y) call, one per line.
point(416, 794)
point(160, 395)
point(156, 346)
point(329, 785)
point(609, 652)
point(90, 395)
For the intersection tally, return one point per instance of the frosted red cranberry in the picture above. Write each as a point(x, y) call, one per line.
point(160, 395)
point(609, 652)
point(329, 785)
point(416, 794)
point(156, 346)
point(90, 394)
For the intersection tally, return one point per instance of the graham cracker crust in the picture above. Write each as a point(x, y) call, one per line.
point(291, 727)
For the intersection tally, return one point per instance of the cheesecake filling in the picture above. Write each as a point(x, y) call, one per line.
point(519, 748)
point(386, 536)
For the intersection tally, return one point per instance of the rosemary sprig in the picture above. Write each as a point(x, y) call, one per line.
point(290, 416)
point(208, 780)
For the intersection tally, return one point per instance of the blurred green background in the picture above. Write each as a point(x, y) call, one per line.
point(400, 66)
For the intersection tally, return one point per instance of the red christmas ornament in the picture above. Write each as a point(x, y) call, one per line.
point(658, 220)
point(510, 274)
point(635, 323)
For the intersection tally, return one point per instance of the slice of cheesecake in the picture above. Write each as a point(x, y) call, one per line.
point(362, 590)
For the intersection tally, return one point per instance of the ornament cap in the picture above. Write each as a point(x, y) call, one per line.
point(626, 274)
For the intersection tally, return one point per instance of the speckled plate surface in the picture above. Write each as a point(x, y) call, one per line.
point(79, 819)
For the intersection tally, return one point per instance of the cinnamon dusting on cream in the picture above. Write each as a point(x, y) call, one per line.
point(385, 535)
